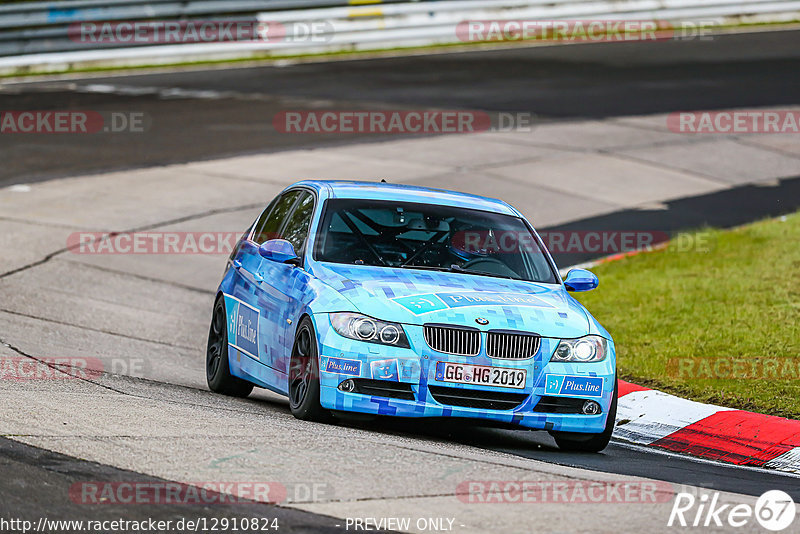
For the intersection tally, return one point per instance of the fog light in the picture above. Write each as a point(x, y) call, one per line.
point(347, 386)
point(591, 408)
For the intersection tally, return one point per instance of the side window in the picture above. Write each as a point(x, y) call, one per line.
point(256, 226)
point(296, 229)
point(272, 222)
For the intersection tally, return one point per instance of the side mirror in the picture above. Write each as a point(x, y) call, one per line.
point(279, 250)
point(580, 280)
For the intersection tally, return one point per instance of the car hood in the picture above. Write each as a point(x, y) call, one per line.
point(416, 297)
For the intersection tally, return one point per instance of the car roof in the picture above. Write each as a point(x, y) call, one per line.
point(406, 193)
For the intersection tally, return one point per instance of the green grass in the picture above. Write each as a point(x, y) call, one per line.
point(737, 300)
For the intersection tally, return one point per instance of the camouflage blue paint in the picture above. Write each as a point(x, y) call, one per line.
point(277, 296)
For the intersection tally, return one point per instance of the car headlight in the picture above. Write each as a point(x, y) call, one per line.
point(365, 328)
point(582, 349)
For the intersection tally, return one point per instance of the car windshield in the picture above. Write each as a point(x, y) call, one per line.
point(432, 237)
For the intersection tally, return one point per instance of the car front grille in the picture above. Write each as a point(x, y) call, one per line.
point(462, 341)
point(511, 345)
point(472, 398)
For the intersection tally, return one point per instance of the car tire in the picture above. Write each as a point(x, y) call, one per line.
point(577, 442)
point(218, 372)
point(303, 384)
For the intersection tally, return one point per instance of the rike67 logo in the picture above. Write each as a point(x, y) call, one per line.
point(774, 510)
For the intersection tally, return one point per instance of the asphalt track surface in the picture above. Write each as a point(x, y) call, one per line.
point(556, 83)
point(37, 482)
point(619, 458)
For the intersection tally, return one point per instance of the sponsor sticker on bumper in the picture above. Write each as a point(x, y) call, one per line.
point(385, 370)
point(343, 366)
point(573, 386)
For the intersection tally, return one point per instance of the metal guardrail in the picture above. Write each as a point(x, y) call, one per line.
point(35, 36)
point(53, 13)
point(39, 27)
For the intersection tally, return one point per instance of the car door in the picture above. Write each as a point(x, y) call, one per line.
point(258, 309)
point(284, 285)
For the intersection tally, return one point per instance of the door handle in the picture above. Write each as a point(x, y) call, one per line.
point(257, 277)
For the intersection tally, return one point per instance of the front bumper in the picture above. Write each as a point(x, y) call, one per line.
point(342, 359)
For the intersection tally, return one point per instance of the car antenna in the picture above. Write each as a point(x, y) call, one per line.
point(383, 180)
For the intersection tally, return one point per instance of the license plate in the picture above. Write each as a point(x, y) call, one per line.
point(483, 375)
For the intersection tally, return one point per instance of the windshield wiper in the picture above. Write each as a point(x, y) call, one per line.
point(456, 269)
point(425, 268)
